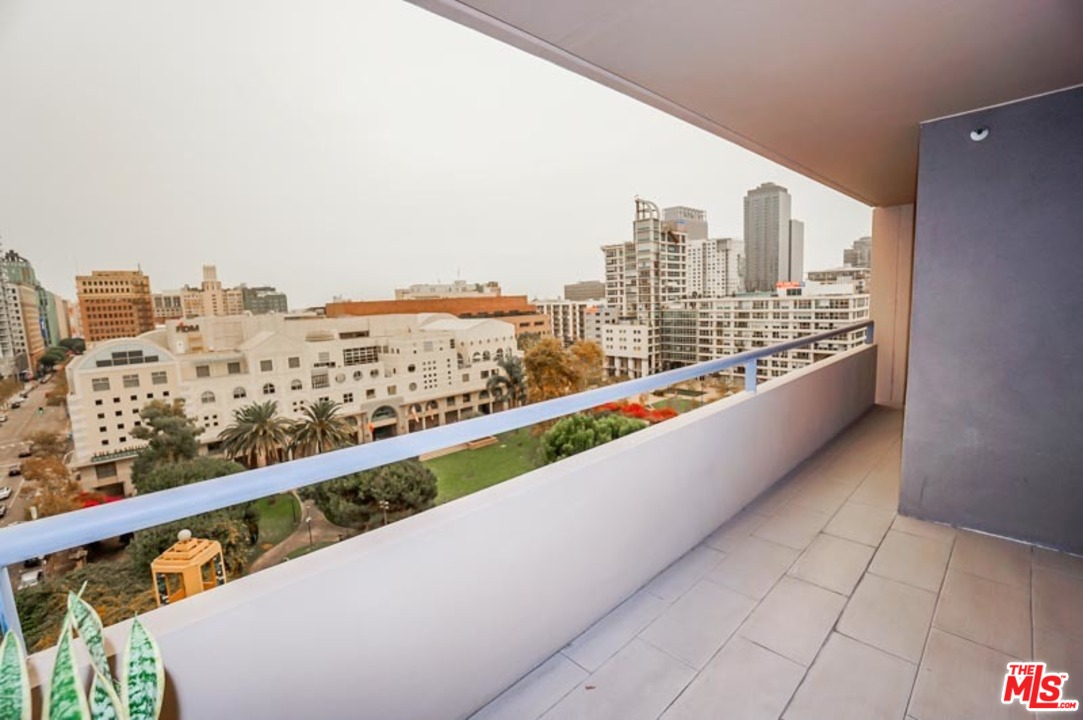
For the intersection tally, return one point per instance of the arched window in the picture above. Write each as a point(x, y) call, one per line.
point(477, 357)
point(207, 397)
point(499, 355)
point(269, 389)
point(486, 356)
point(239, 393)
point(295, 385)
point(432, 405)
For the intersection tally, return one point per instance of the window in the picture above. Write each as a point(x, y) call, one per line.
point(466, 377)
point(370, 394)
point(266, 366)
point(118, 413)
point(484, 374)
point(120, 426)
point(239, 393)
point(374, 373)
point(150, 396)
point(103, 428)
point(392, 389)
point(269, 389)
point(99, 384)
point(101, 416)
point(203, 370)
point(131, 381)
point(233, 368)
point(106, 471)
point(358, 356)
point(133, 398)
point(411, 368)
point(466, 397)
point(413, 387)
point(294, 363)
point(358, 375)
point(97, 402)
point(319, 380)
point(476, 357)
point(158, 377)
point(347, 398)
point(296, 385)
point(486, 356)
point(207, 397)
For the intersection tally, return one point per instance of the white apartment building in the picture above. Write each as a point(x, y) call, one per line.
point(391, 374)
point(710, 328)
point(568, 317)
point(715, 267)
point(856, 276)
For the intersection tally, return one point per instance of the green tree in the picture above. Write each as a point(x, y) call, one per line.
point(511, 383)
point(51, 358)
point(74, 344)
point(170, 435)
point(230, 526)
point(354, 500)
point(550, 370)
point(320, 429)
point(577, 433)
point(258, 435)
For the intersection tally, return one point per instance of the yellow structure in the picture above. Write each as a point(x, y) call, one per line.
point(189, 567)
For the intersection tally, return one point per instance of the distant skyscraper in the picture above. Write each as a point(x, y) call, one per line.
point(585, 290)
point(774, 246)
point(690, 221)
point(859, 254)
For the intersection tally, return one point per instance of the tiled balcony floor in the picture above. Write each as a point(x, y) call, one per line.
point(818, 602)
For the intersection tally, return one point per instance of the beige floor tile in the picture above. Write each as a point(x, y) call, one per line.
point(774, 498)
point(833, 563)
point(734, 531)
point(911, 559)
point(1058, 602)
point(535, 693)
point(852, 681)
point(1059, 561)
point(604, 638)
point(987, 612)
point(913, 526)
point(697, 625)
point(793, 526)
point(1062, 653)
point(637, 683)
point(881, 487)
point(679, 577)
point(794, 619)
point(742, 681)
point(753, 567)
point(861, 523)
point(993, 558)
point(889, 615)
point(821, 494)
point(961, 680)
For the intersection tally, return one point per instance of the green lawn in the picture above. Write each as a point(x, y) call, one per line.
point(680, 404)
point(307, 549)
point(278, 517)
point(468, 471)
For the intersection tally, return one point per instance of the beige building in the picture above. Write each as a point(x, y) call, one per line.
point(567, 318)
point(210, 299)
point(392, 374)
point(114, 304)
point(456, 289)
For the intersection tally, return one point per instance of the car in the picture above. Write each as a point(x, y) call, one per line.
point(25, 453)
point(3, 510)
point(5, 492)
point(3, 418)
point(15, 404)
point(33, 562)
point(30, 578)
point(15, 471)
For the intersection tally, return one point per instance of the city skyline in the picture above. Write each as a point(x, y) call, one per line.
point(270, 157)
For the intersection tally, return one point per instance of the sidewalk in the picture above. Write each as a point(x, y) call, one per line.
point(323, 530)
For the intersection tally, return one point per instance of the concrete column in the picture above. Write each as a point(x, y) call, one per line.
point(891, 284)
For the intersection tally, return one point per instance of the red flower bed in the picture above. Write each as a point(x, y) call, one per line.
point(639, 412)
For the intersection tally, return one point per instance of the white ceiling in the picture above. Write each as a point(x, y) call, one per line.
point(834, 89)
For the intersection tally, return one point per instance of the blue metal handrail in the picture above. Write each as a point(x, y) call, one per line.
point(60, 532)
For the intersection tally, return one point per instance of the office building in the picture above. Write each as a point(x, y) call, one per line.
point(585, 290)
point(859, 254)
point(715, 267)
point(114, 304)
point(264, 300)
point(774, 242)
point(391, 374)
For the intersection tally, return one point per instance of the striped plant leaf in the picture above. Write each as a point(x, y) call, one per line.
point(66, 699)
point(89, 626)
point(14, 680)
point(105, 704)
point(143, 685)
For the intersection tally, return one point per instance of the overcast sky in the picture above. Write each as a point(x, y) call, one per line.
point(338, 148)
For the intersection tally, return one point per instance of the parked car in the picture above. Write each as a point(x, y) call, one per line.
point(30, 578)
point(3, 418)
point(3, 510)
point(15, 404)
point(33, 562)
point(5, 492)
point(15, 471)
point(24, 453)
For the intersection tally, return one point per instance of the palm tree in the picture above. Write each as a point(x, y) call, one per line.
point(258, 436)
point(320, 430)
point(511, 383)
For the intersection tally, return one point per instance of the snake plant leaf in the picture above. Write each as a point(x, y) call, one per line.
point(105, 704)
point(143, 685)
point(14, 680)
point(89, 625)
point(66, 699)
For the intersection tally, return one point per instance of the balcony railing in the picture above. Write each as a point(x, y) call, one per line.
point(61, 532)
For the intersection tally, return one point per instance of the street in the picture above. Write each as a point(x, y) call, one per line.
point(21, 424)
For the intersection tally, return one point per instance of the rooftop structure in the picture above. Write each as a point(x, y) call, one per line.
point(456, 289)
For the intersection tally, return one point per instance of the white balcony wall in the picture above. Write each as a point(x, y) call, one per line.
point(433, 616)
